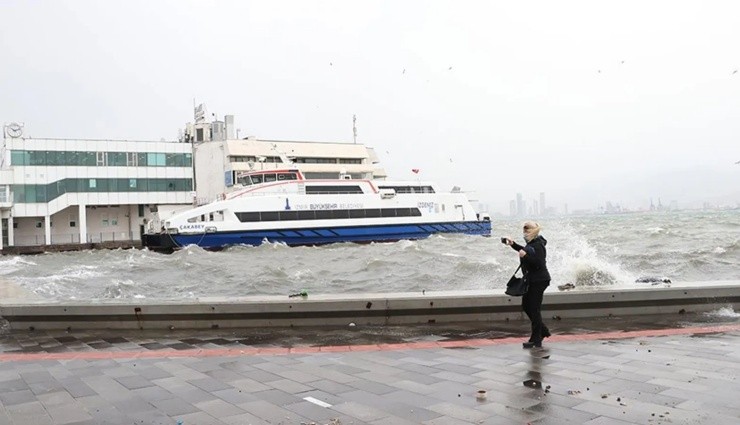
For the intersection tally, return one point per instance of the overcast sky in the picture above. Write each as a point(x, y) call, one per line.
point(587, 101)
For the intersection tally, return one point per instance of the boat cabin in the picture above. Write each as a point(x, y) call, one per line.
point(268, 176)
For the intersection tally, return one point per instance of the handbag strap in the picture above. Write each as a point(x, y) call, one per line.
point(517, 269)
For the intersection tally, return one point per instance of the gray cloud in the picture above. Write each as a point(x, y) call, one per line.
point(586, 101)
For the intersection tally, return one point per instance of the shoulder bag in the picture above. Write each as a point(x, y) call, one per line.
point(517, 286)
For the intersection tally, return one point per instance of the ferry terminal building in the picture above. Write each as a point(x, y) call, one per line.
point(72, 191)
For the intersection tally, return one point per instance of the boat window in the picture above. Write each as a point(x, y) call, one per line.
point(270, 178)
point(245, 180)
point(256, 179)
point(288, 215)
point(409, 189)
point(269, 216)
point(248, 216)
point(287, 176)
point(307, 215)
point(323, 190)
point(326, 214)
point(339, 213)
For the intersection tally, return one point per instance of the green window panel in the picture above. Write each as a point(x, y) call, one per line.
point(90, 159)
point(44, 193)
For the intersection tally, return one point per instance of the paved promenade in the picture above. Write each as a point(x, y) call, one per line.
point(679, 375)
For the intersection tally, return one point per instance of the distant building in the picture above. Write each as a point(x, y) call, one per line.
point(543, 207)
point(521, 207)
point(512, 208)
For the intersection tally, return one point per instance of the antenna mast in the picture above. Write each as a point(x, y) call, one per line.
point(354, 128)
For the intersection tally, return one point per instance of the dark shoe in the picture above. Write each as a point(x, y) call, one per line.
point(530, 344)
point(546, 333)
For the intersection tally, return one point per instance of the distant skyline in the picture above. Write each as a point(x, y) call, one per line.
point(586, 101)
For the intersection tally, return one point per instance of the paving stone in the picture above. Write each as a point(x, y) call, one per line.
point(288, 386)
point(209, 384)
point(17, 397)
point(76, 388)
point(393, 420)
point(153, 393)
point(55, 399)
point(234, 396)
point(134, 382)
point(360, 411)
point(13, 385)
point(243, 419)
point(250, 385)
point(330, 387)
point(272, 413)
point(29, 413)
point(372, 387)
point(67, 413)
point(277, 397)
point(200, 418)
point(219, 408)
point(174, 406)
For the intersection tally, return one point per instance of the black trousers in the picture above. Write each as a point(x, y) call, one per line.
point(532, 306)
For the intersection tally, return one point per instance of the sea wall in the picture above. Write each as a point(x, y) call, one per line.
point(360, 309)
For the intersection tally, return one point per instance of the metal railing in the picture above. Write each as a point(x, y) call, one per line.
point(73, 238)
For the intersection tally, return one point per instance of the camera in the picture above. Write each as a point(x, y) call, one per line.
point(503, 240)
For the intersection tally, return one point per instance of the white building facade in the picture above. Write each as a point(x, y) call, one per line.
point(58, 191)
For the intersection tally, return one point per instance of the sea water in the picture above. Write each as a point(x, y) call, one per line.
point(591, 252)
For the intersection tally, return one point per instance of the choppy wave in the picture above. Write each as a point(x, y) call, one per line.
point(589, 252)
point(13, 264)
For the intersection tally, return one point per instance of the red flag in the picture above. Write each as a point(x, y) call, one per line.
point(415, 170)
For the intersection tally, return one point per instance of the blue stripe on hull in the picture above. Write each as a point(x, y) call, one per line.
point(327, 235)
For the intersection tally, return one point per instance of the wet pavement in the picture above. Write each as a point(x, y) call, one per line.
point(652, 369)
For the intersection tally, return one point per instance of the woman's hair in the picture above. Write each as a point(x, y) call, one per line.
point(531, 230)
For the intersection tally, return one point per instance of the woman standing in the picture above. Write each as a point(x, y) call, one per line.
point(533, 258)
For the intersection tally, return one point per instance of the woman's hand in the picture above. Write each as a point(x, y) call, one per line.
point(522, 253)
point(509, 241)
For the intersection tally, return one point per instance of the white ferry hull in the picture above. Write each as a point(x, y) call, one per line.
point(317, 235)
point(294, 211)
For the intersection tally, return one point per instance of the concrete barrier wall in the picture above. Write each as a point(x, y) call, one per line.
point(361, 309)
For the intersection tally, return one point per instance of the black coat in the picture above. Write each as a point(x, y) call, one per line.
point(534, 264)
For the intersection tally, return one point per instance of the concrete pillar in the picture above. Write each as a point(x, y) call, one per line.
point(11, 233)
point(1, 232)
point(83, 223)
point(47, 229)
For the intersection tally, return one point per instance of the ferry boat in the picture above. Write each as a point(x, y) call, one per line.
point(282, 206)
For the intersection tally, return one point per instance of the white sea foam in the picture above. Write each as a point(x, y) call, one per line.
point(656, 230)
point(577, 261)
point(719, 250)
point(13, 264)
point(724, 312)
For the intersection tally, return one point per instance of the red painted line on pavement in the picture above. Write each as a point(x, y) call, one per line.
point(279, 351)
